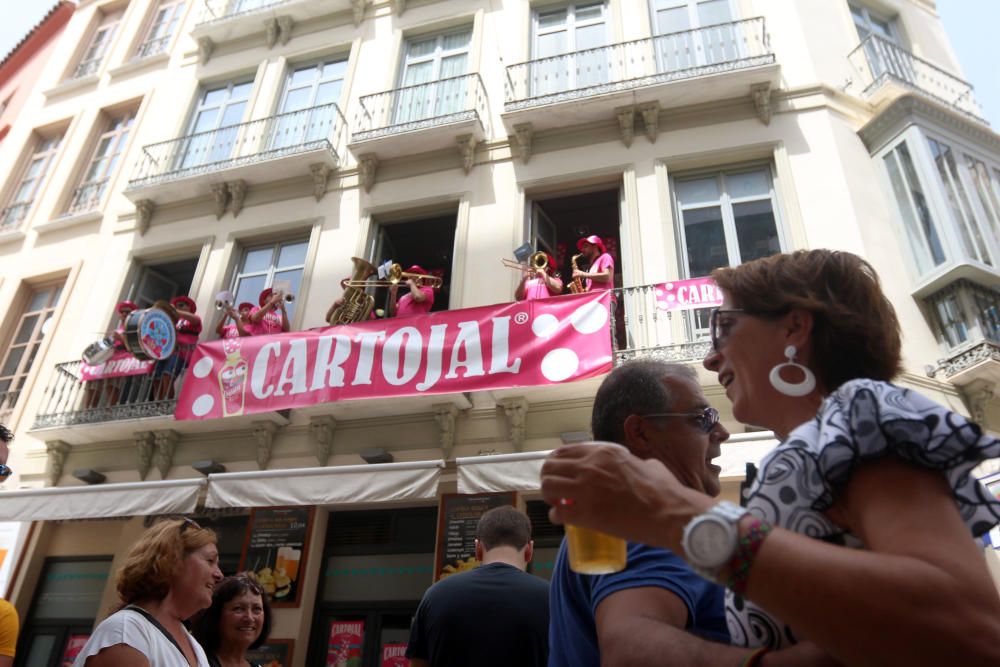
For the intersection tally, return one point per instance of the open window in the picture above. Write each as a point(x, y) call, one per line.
point(428, 242)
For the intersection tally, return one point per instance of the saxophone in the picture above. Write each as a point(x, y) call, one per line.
point(576, 286)
point(357, 304)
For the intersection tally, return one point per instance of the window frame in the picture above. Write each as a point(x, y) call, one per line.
point(276, 245)
point(117, 131)
point(178, 10)
point(892, 23)
point(36, 339)
point(107, 24)
point(47, 157)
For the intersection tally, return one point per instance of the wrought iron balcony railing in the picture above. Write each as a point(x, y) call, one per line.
point(8, 399)
point(644, 62)
point(316, 128)
point(87, 197)
point(421, 106)
point(647, 330)
point(86, 68)
point(152, 47)
point(70, 400)
point(967, 315)
point(221, 10)
point(12, 216)
point(877, 60)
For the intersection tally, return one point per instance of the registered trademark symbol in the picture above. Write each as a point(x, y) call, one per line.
point(521, 318)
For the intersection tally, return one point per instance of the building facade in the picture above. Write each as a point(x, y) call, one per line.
point(192, 148)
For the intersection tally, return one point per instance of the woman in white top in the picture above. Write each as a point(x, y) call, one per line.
point(168, 576)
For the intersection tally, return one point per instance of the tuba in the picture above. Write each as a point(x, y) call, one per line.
point(576, 286)
point(357, 305)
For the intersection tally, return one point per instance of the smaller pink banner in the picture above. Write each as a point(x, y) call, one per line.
point(121, 364)
point(688, 294)
point(394, 655)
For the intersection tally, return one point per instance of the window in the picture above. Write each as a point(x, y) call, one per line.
point(685, 42)
point(27, 189)
point(31, 328)
point(213, 133)
point(168, 15)
point(883, 48)
point(966, 312)
point(566, 45)
point(98, 46)
point(109, 149)
point(281, 264)
point(970, 233)
point(921, 232)
point(307, 112)
point(429, 80)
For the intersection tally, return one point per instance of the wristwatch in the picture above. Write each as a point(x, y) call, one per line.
point(710, 539)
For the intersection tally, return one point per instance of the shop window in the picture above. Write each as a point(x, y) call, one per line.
point(161, 29)
point(427, 242)
point(99, 44)
point(102, 165)
point(30, 184)
point(278, 265)
point(30, 329)
point(547, 537)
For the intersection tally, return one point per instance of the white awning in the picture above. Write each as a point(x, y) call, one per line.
point(101, 500)
point(520, 472)
point(368, 483)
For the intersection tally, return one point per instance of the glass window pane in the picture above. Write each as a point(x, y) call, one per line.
point(215, 97)
point(457, 40)
point(233, 114)
point(749, 184)
point(705, 241)
point(26, 329)
point(335, 69)
point(551, 44)
point(700, 191)
point(552, 18)
point(14, 356)
point(672, 20)
point(303, 75)
point(328, 93)
point(241, 91)
point(592, 11)
point(293, 254)
point(297, 99)
point(248, 289)
point(257, 260)
point(589, 37)
point(39, 300)
point(950, 319)
point(756, 231)
point(712, 12)
point(423, 47)
point(40, 651)
point(968, 228)
point(920, 201)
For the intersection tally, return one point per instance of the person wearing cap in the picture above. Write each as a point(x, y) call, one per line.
point(240, 326)
point(264, 320)
point(124, 309)
point(418, 301)
point(539, 283)
point(601, 274)
point(188, 326)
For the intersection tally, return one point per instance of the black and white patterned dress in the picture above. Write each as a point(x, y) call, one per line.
point(862, 420)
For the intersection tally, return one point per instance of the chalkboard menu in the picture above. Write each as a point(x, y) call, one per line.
point(275, 550)
point(458, 515)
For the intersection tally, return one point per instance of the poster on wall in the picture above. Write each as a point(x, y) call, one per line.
point(344, 645)
point(458, 514)
point(275, 550)
point(74, 644)
point(394, 655)
point(274, 653)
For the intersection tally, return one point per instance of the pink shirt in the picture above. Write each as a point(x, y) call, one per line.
point(230, 331)
point(605, 261)
point(535, 288)
point(406, 306)
point(269, 324)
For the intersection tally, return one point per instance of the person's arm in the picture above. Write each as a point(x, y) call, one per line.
point(415, 291)
point(259, 314)
point(219, 328)
point(393, 295)
point(284, 316)
point(119, 655)
point(553, 284)
point(193, 319)
point(519, 292)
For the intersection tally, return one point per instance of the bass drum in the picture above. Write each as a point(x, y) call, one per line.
point(150, 334)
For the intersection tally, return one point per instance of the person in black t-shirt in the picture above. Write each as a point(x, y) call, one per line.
point(496, 614)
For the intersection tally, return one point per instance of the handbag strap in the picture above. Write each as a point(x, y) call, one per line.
point(159, 626)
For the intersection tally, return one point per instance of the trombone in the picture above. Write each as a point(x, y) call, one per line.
point(537, 262)
point(394, 276)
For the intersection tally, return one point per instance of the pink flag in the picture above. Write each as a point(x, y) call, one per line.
point(688, 294)
point(527, 343)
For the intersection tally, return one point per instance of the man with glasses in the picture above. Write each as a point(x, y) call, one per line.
point(657, 611)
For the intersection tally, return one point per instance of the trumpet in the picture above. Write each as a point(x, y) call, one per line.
point(224, 300)
point(395, 275)
point(537, 262)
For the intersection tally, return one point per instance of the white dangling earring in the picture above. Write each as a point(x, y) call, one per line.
point(789, 388)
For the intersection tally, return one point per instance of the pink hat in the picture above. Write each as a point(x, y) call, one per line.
point(416, 268)
point(245, 304)
point(187, 301)
point(552, 261)
point(593, 239)
point(264, 296)
point(126, 305)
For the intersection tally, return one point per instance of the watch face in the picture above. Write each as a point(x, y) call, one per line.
point(710, 543)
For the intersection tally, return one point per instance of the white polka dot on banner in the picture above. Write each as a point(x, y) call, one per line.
point(559, 364)
point(203, 367)
point(203, 404)
point(545, 325)
point(590, 317)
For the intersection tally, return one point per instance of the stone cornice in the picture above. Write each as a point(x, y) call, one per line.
point(912, 109)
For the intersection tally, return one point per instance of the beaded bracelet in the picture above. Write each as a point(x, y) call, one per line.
point(746, 551)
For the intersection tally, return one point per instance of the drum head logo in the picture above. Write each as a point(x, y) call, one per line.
point(157, 335)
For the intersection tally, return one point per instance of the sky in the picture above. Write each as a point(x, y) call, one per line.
point(971, 26)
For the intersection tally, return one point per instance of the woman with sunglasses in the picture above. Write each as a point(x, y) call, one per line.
point(168, 576)
point(239, 620)
point(858, 537)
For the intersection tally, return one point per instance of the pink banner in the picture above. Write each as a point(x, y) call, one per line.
point(394, 655)
point(527, 343)
point(688, 294)
point(119, 365)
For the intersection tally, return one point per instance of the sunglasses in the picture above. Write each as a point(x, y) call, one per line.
point(188, 523)
point(718, 329)
point(706, 418)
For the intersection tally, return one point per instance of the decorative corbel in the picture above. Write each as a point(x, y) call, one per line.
point(761, 94)
point(263, 433)
point(467, 149)
point(321, 176)
point(399, 6)
point(444, 415)
point(237, 194)
point(651, 119)
point(626, 124)
point(516, 410)
point(144, 214)
point(358, 7)
point(367, 164)
point(205, 48)
point(272, 29)
point(523, 134)
point(285, 25)
point(57, 451)
point(144, 449)
point(978, 396)
point(321, 429)
point(166, 445)
point(220, 193)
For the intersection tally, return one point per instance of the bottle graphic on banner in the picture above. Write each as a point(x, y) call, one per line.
point(233, 379)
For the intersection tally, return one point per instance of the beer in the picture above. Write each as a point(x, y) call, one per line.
point(593, 552)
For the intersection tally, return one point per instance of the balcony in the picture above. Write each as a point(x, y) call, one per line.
point(967, 315)
point(885, 71)
point(424, 117)
point(679, 336)
point(257, 151)
point(226, 20)
point(678, 69)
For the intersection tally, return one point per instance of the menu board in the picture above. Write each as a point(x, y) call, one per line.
point(344, 644)
point(275, 550)
point(458, 515)
point(394, 655)
point(274, 653)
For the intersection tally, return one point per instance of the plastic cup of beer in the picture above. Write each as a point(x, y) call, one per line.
point(594, 552)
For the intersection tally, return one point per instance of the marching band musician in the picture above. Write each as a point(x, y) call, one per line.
point(240, 326)
point(188, 327)
point(601, 274)
point(124, 309)
point(264, 320)
point(111, 391)
point(538, 283)
point(418, 301)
